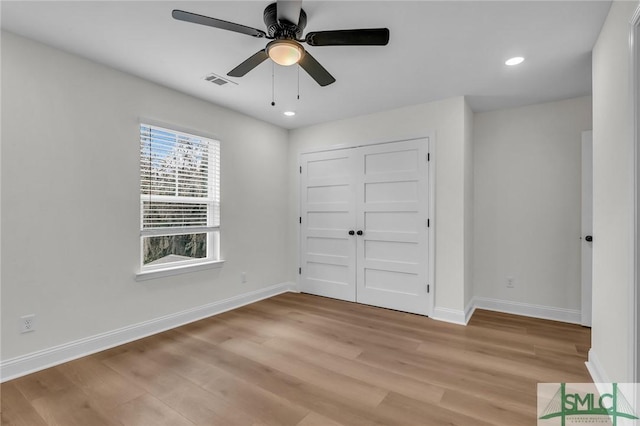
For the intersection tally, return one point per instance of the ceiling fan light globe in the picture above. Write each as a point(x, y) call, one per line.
point(285, 52)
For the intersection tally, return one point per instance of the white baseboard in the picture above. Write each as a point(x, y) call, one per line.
point(528, 310)
point(30, 363)
point(453, 316)
point(595, 369)
point(469, 310)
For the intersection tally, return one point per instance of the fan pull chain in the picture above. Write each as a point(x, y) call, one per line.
point(273, 84)
point(298, 81)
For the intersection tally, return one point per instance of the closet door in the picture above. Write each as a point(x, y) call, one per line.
point(328, 251)
point(392, 212)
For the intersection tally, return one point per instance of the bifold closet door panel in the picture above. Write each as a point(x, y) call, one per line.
point(364, 229)
point(392, 212)
point(328, 251)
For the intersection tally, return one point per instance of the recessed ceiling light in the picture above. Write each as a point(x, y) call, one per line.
point(289, 113)
point(514, 61)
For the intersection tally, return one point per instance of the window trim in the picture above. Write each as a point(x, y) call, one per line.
point(178, 270)
point(213, 257)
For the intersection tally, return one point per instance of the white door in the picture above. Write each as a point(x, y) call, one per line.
point(327, 212)
point(587, 225)
point(364, 234)
point(392, 214)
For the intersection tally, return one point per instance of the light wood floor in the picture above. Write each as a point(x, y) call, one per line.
point(304, 360)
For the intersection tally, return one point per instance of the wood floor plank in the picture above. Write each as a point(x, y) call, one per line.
point(269, 407)
point(494, 411)
point(408, 411)
point(297, 359)
point(99, 382)
point(315, 419)
point(147, 410)
point(145, 372)
point(16, 410)
point(206, 408)
point(233, 381)
point(348, 333)
point(561, 335)
point(353, 313)
point(72, 407)
point(221, 328)
point(483, 384)
point(170, 356)
point(327, 403)
point(284, 329)
point(535, 370)
point(352, 389)
point(47, 382)
point(427, 330)
point(382, 378)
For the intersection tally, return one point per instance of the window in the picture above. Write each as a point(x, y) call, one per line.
point(179, 199)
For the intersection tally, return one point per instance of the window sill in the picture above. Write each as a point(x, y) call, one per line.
point(177, 270)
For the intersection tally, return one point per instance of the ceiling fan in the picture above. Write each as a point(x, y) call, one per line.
point(285, 21)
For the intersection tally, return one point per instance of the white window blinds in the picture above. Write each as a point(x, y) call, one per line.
point(179, 176)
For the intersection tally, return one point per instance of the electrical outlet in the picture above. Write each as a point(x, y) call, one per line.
point(510, 282)
point(27, 323)
point(243, 277)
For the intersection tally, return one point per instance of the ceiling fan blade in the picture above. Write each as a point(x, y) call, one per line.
point(289, 10)
point(252, 62)
point(194, 18)
point(362, 37)
point(315, 70)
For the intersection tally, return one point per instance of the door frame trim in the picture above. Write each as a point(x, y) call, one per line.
point(583, 232)
point(431, 170)
point(634, 55)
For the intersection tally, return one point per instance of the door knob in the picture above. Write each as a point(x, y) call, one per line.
point(359, 232)
point(352, 232)
point(588, 238)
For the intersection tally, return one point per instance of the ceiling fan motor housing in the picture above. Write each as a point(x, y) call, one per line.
point(283, 29)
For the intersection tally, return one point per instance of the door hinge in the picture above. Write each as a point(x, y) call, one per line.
point(428, 288)
point(300, 219)
point(428, 156)
point(300, 169)
point(299, 271)
point(428, 223)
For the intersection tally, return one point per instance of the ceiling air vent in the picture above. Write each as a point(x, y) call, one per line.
point(216, 79)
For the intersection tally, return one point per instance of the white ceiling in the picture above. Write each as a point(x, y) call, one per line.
point(437, 49)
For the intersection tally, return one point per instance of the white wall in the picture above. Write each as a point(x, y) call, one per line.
point(447, 119)
point(468, 204)
point(527, 206)
point(612, 197)
point(70, 208)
